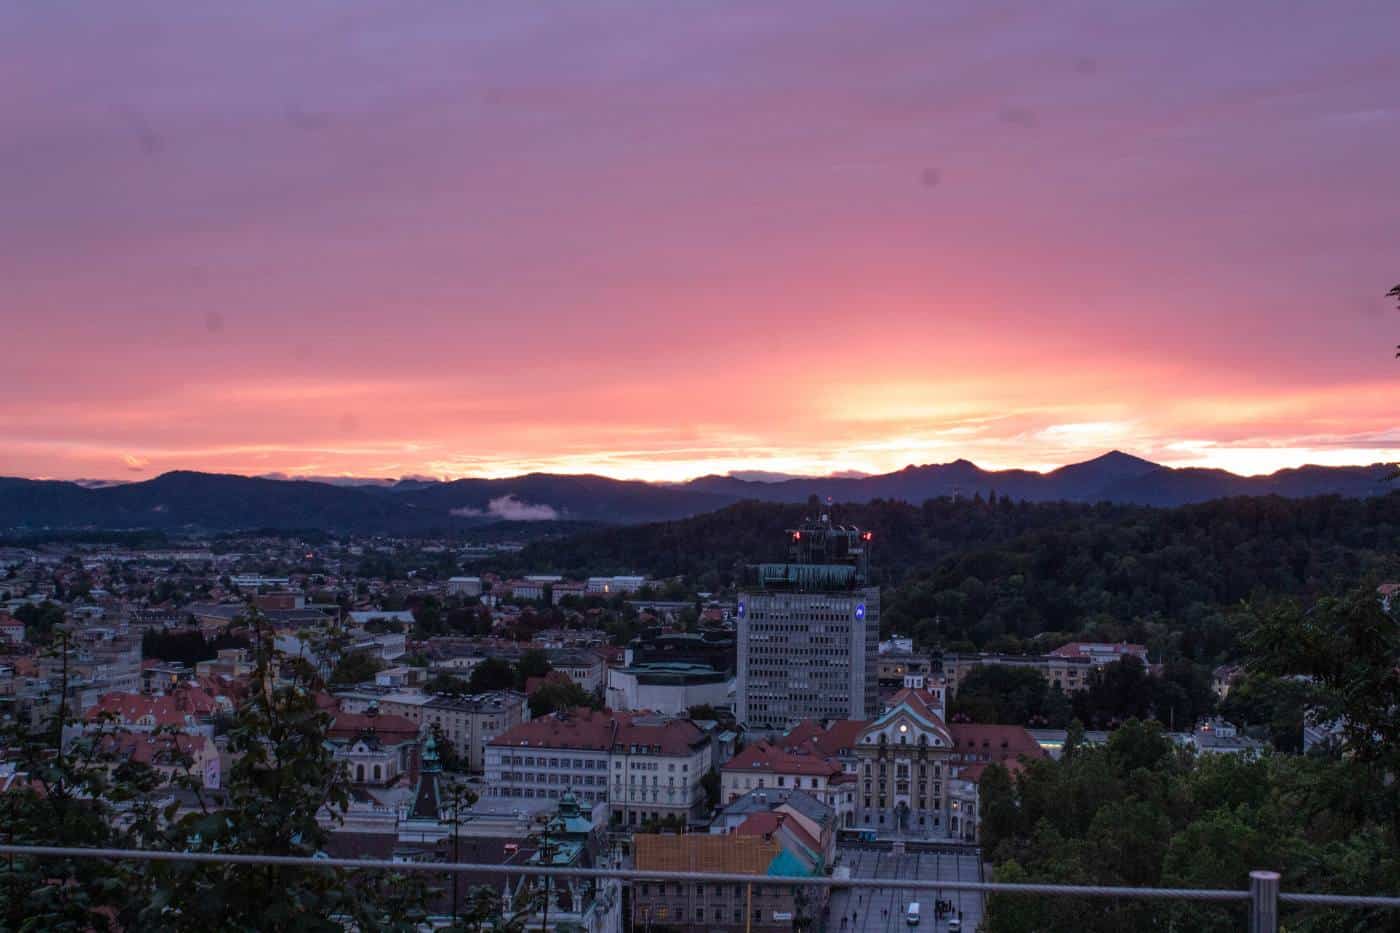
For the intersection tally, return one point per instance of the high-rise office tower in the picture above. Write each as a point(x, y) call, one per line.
point(809, 631)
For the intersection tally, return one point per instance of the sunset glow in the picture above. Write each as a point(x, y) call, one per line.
point(648, 242)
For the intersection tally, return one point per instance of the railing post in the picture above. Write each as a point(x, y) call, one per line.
point(1263, 902)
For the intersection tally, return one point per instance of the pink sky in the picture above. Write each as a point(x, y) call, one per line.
point(657, 240)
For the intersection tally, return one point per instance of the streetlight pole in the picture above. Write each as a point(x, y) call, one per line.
point(544, 850)
point(456, 824)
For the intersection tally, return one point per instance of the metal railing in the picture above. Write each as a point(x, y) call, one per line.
point(1263, 895)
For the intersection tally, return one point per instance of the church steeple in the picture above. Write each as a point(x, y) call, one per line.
point(428, 797)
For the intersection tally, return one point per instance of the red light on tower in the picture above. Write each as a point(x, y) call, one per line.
point(866, 537)
point(797, 536)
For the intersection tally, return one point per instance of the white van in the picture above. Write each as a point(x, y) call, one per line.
point(912, 917)
point(954, 925)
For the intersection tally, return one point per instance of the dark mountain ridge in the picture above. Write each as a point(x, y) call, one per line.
point(1112, 477)
point(185, 499)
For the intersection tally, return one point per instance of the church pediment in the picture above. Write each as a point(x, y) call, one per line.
point(904, 725)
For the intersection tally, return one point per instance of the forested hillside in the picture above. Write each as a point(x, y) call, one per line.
point(993, 574)
point(1139, 811)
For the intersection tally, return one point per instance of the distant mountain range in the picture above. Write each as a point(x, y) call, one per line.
point(219, 502)
point(1112, 477)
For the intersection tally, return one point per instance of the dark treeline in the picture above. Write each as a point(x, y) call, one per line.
point(187, 647)
point(1179, 696)
point(142, 538)
point(1140, 811)
point(994, 574)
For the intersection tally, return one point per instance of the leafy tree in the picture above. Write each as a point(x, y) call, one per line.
point(381, 626)
point(282, 786)
point(40, 620)
point(672, 823)
point(283, 780)
point(491, 674)
point(1275, 708)
point(1348, 647)
point(186, 647)
point(554, 697)
point(427, 617)
point(622, 631)
point(448, 755)
point(706, 712)
point(448, 684)
point(356, 667)
point(67, 798)
point(997, 802)
point(1012, 695)
point(1140, 811)
point(1121, 690)
point(711, 785)
point(532, 663)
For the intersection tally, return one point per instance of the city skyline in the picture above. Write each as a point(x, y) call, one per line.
point(801, 239)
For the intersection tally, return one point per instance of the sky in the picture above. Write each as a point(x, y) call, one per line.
point(659, 240)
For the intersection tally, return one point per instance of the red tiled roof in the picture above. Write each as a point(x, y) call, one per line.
point(553, 677)
point(771, 759)
point(147, 749)
point(390, 728)
point(179, 708)
point(760, 824)
point(601, 730)
point(994, 742)
point(582, 729)
point(801, 834)
point(217, 685)
point(840, 736)
point(768, 822)
point(667, 737)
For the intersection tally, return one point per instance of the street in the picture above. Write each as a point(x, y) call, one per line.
point(886, 908)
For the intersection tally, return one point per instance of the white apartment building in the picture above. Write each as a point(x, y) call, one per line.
point(464, 586)
point(611, 586)
point(585, 668)
point(657, 766)
point(644, 768)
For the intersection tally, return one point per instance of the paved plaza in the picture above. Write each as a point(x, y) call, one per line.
point(886, 908)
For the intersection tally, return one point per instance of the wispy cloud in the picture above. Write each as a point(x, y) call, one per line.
point(510, 508)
